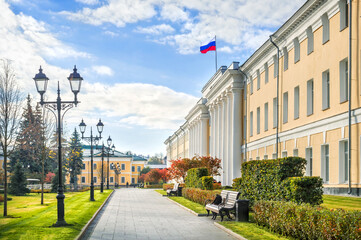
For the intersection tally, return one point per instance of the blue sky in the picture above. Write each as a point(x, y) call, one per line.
point(139, 59)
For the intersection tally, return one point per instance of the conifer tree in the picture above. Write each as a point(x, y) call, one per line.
point(18, 181)
point(75, 158)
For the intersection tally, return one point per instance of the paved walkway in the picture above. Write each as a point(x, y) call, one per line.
point(144, 214)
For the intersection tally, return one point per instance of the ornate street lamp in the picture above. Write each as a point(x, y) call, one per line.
point(92, 139)
point(41, 83)
point(108, 150)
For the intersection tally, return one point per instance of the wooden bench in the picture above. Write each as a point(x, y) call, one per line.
point(227, 206)
point(173, 191)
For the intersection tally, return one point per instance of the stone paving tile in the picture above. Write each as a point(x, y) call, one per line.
point(143, 214)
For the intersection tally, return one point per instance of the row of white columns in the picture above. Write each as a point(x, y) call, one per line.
point(198, 137)
point(225, 142)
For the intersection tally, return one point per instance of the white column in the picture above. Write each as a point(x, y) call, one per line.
point(204, 130)
point(211, 131)
point(230, 136)
point(221, 106)
point(225, 136)
point(191, 140)
point(216, 131)
point(219, 118)
point(236, 132)
point(197, 138)
point(213, 128)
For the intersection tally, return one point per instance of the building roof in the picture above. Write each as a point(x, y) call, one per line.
point(117, 154)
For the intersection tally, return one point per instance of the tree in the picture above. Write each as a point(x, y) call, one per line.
point(145, 170)
point(75, 159)
point(55, 181)
point(10, 106)
point(49, 177)
point(18, 182)
point(164, 175)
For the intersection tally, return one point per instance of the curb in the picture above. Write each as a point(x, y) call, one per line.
point(189, 210)
point(236, 235)
point(83, 230)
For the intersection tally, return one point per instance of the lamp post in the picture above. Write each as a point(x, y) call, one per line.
point(41, 83)
point(102, 174)
point(91, 139)
point(108, 149)
point(116, 168)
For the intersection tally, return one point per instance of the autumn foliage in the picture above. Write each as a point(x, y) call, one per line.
point(179, 167)
point(155, 176)
point(49, 177)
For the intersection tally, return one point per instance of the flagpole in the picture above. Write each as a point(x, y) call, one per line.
point(215, 40)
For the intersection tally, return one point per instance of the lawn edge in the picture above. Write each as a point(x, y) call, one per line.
point(189, 210)
point(229, 231)
point(83, 230)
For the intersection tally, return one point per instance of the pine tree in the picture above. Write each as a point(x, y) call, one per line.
point(18, 181)
point(55, 181)
point(75, 158)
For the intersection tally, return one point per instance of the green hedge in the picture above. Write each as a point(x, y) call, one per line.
point(194, 175)
point(262, 180)
point(303, 190)
point(198, 195)
point(308, 222)
point(207, 183)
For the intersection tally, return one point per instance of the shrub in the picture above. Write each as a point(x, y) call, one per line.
point(303, 190)
point(207, 183)
point(198, 195)
point(1, 198)
point(308, 222)
point(261, 180)
point(217, 186)
point(18, 182)
point(153, 186)
point(39, 190)
point(194, 175)
point(237, 183)
point(168, 186)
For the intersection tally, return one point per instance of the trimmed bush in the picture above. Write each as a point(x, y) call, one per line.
point(39, 190)
point(303, 190)
point(207, 183)
point(194, 175)
point(168, 186)
point(153, 186)
point(198, 195)
point(262, 180)
point(1, 198)
point(308, 222)
point(237, 183)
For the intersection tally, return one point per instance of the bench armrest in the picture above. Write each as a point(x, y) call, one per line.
point(207, 201)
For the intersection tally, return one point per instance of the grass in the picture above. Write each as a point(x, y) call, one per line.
point(196, 207)
point(28, 219)
point(347, 203)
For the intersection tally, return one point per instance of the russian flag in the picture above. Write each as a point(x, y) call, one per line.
point(209, 47)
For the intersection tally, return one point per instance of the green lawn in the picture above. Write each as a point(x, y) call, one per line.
point(347, 203)
point(28, 219)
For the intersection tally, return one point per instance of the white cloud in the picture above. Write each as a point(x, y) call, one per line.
point(156, 29)
point(88, 2)
point(103, 70)
point(225, 49)
point(243, 24)
point(112, 34)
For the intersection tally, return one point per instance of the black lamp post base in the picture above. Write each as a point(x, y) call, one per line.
point(60, 224)
point(92, 193)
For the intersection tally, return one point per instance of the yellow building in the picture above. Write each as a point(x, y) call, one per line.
point(123, 168)
point(307, 115)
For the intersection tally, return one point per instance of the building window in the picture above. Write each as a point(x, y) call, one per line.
point(326, 28)
point(285, 59)
point(133, 168)
point(325, 163)
point(95, 179)
point(343, 14)
point(258, 80)
point(309, 97)
point(285, 107)
point(133, 180)
point(111, 179)
point(344, 81)
point(83, 166)
point(274, 155)
point(275, 112)
point(251, 87)
point(251, 124)
point(266, 116)
point(123, 166)
point(343, 161)
point(266, 73)
point(275, 66)
point(296, 44)
point(325, 90)
point(138, 168)
point(95, 166)
point(82, 179)
point(245, 127)
point(309, 33)
point(265, 157)
point(296, 102)
point(123, 179)
point(258, 120)
point(257, 158)
point(284, 154)
point(295, 152)
point(309, 161)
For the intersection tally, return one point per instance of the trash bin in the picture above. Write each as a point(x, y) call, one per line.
point(242, 210)
point(179, 193)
